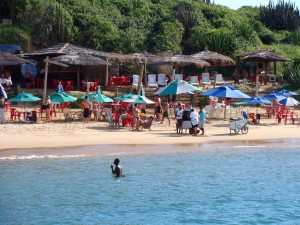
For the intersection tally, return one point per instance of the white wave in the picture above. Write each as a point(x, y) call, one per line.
point(14, 157)
point(251, 146)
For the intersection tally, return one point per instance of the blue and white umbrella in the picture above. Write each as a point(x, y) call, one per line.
point(273, 96)
point(288, 101)
point(286, 93)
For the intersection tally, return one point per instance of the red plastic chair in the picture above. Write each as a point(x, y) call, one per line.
point(14, 114)
point(69, 86)
point(7, 106)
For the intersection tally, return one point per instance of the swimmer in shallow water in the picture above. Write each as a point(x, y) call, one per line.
point(118, 168)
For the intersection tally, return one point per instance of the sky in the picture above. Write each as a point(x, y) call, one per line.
point(235, 4)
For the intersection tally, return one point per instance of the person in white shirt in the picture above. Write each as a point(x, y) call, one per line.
point(194, 120)
point(178, 113)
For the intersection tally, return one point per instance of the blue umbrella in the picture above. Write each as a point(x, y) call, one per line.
point(177, 87)
point(226, 91)
point(273, 96)
point(286, 93)
point(257, 101)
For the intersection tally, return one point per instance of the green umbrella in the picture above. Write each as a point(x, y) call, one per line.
point(124, 97)
point(99, 98)
point(62, 97)
point(139, 100)
point(24, 97)
point(177, 87)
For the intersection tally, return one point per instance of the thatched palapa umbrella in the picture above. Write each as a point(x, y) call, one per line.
point(214, 59)
point(265, 57)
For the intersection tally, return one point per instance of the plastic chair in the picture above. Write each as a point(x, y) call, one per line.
point(161, 79)
point(125, 81)
point(14, 114)
point(205, 79)
point(219, 79)
point(178, 76)
point(194, 80)
point(152, 81)
point(135, 80)
point(7, 106)
point(69, 86)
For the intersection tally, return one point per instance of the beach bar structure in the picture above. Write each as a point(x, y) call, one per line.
point(70, 49)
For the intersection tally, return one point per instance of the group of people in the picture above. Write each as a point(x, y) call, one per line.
point(237, 75)
point(161, 107)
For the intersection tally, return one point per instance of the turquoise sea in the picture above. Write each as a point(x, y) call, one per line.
point(256, 184)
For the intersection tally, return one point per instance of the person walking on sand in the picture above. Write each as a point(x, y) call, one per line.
point(118, 168)
point(202, 119)
point(86, 109)
point(166, 108)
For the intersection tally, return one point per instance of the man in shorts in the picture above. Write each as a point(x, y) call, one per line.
point(166, 108)
point(86, 109)
point(157, 107)
point(202, 119)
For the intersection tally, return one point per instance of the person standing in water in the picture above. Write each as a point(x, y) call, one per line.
point(118, 168)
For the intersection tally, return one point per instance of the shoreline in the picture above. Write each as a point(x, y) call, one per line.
point(20, 139)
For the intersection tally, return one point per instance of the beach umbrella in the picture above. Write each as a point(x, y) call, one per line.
point(139, 100)
point(286, 93)
point(288, 101)
point(60, 97)
point(257, 101)
point(25, 97)
point(125, 96)
point(177, 87)
point(226, 91)
point(99, 97)
point(273, 96)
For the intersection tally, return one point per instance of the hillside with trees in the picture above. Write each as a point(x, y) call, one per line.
point(127, 26)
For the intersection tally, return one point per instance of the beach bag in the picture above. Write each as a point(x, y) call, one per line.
point(194, 122)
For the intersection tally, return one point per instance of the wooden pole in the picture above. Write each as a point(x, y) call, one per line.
point(78, 78)
point(45, 78)
point(106, 74)
point(140, 77)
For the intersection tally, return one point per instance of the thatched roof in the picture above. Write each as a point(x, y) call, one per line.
point(82, 59)
point(70, 49)
point(266, 56)
point(253, 52)
point(214, 58)
point(8, 59)
point(182, 60)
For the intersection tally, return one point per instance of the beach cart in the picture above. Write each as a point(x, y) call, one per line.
point(239, 124)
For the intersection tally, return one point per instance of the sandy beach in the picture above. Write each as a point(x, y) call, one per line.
point(22, 137)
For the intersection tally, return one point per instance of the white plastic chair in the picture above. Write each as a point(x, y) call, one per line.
point(161, 79)
point(194, 80)
point(178, 76)
point(152, 80)
point(135, 80)
point(219, 79)
point(205, 79)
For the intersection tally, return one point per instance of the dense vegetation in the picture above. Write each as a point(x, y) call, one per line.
point(127, 26)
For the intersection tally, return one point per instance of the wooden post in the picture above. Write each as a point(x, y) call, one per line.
point(256, 84)
point(106, 74)
point(45, 78)
point(78, 79)
point(140, 77)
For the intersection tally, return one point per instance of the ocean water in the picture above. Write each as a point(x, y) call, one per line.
point(240, 185)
